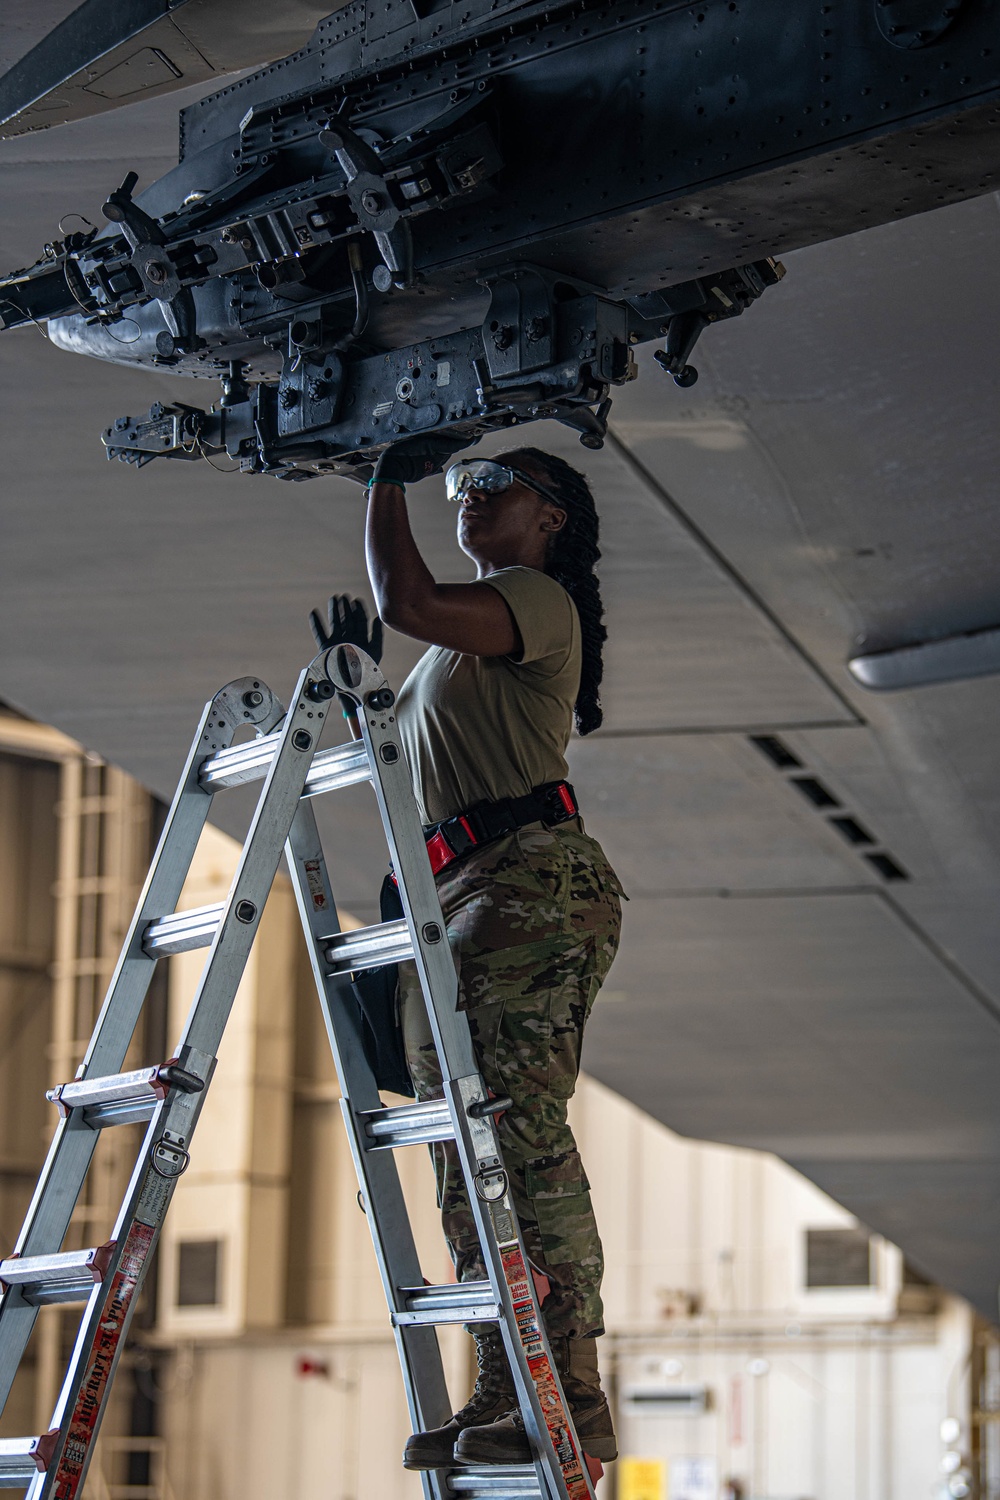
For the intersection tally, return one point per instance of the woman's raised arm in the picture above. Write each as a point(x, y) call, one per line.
point(468, 617)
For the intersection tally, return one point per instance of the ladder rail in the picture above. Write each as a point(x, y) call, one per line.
point(164, 1154)
point(560, 1474)
point(383, 1201)
point(227, 712)
point(408, 853)
point(103, 1329)
point(279, 800)
point(71, 1150)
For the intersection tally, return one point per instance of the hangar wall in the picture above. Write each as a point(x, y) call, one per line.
point(261, 1360)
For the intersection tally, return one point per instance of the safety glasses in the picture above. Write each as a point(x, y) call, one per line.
point(490, 478)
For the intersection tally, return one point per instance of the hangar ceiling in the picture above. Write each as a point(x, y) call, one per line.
point(830, 482)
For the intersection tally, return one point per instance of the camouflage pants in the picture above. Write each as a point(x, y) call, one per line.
point(533, 922)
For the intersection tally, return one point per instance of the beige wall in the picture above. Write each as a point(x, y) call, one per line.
point(29, 789)
point(812, 1394)
point(74, 847)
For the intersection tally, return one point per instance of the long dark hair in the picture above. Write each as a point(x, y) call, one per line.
point(573, 552)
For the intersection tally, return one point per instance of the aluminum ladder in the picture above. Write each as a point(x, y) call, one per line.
point(283, 755)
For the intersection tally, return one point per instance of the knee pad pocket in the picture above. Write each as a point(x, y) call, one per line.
point(559, 1192)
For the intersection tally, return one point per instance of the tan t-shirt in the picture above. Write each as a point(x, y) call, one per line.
point(487, 727)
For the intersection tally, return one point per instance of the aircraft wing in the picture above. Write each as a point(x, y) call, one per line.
point(106, 55)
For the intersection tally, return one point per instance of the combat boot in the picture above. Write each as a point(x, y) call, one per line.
point(576, 1361)
point(506, 1442)
point(491, 1398)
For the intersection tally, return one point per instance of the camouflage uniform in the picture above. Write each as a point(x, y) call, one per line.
point(534, 922)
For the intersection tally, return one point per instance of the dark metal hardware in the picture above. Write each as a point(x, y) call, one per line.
point(483, 1108)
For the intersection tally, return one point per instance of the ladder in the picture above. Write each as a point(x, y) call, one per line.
point(283, 755)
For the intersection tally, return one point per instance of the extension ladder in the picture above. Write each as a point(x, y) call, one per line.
point(284, 756)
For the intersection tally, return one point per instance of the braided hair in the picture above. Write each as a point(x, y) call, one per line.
point(573, 551)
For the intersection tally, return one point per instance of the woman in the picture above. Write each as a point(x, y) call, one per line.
point(532, 909)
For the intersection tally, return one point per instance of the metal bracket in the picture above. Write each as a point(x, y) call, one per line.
point(372, 202)
point(168, 1158)
point(154, 267)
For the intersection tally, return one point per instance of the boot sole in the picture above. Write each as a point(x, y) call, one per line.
point(421, 1465)
point(491, 1460)
point(604, 1451)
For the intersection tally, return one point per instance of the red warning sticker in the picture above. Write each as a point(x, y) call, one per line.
point(553, 1411)
point(90, 1398)
point(515, 1273)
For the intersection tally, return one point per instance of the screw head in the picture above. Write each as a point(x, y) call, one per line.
point(371, 202)
point(155, 272)
point(253, 699)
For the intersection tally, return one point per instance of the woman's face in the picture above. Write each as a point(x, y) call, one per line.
point(511, 528)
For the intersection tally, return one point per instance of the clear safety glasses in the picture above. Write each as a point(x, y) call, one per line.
point(489, 478)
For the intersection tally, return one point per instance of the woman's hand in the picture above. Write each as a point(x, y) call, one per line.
point(347, 624)
point(416, 458)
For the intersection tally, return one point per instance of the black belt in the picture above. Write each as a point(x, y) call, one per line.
point(555, 802)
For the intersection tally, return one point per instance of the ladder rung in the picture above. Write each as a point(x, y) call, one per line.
point(182, 931)
point(368, 947)
point(456, 1302)
point(343, 765)
point(69, 1276)
point(18, 1464)
point(408, 1125)
point(122, 1098)
point(495, 1481)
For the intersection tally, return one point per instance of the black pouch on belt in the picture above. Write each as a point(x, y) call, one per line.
point(376, 994)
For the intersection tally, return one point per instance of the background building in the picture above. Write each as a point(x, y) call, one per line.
point(761, 1343)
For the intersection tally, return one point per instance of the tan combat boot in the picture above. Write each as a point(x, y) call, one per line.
point(491, 1399)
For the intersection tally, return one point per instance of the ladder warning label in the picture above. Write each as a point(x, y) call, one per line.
point(314, 880)
point(553, 1411)
point(90, 1397)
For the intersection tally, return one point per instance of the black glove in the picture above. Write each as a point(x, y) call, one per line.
point(414, 458)
point(347, 624)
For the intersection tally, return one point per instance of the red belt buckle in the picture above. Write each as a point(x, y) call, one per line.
point(566, 800)
point(439, 852)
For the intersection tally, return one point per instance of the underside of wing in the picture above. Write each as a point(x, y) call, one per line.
point(105, 55)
